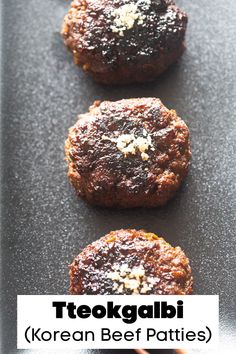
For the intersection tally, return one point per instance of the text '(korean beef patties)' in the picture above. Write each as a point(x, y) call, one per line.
point(129, 153)
point(131, 262)
point(123, 41)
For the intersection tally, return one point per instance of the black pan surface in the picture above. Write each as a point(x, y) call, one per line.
point(44, 225)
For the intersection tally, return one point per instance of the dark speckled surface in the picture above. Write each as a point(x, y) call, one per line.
point(44, 225)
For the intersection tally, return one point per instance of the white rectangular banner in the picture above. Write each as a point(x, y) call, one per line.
point(117, 322)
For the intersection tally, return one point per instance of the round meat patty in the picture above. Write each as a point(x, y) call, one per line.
point(123, 41)
point(129, 153)
point(131, 262)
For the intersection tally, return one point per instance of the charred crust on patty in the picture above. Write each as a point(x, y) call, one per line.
point(128, 153)
point(131, 262)
point(121, 41)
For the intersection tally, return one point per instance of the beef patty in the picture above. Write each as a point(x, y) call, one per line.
point(131, 262)
point(129, 153)
point(123, 41)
